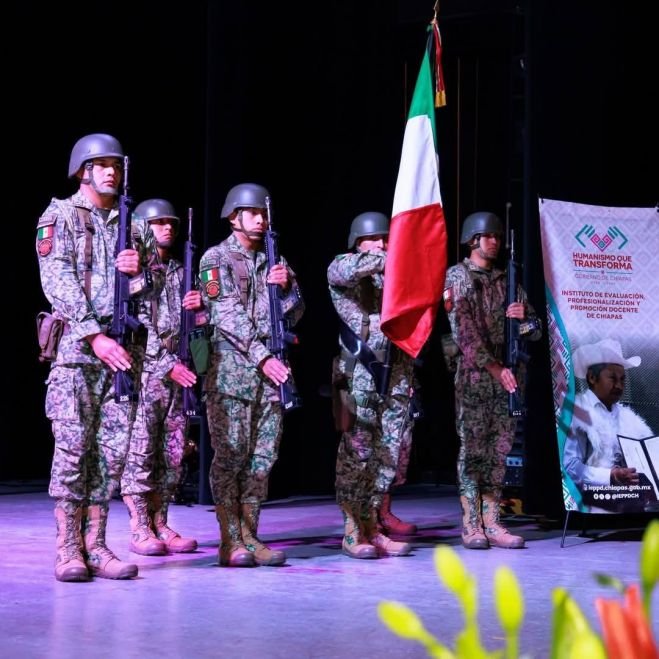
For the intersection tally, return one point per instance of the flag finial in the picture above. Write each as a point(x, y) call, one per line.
point(440, 90)
point(435, 11)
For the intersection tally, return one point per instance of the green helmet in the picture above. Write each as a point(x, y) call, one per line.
point(368, 224)
point(481, 222)
point(157, 209)
point(96, 145)
point(244, 195)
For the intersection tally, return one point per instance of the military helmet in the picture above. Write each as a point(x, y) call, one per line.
point(368, 224)
point(157, 209)
point(244, 195)
point(96, 145)
point(481, 222)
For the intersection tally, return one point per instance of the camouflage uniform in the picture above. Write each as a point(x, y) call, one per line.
point(244, 414)
point(373, 453)
point(404, 454)
point(153, 465)
point(158, 436)
point(90, 429)
point(475, 300)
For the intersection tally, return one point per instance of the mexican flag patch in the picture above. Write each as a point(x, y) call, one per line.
point(211, 280)
point(45, 239)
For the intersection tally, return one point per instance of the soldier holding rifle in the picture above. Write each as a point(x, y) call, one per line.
point(244, 378)
point(76, 241)
point(153, 465)
point(475, 301)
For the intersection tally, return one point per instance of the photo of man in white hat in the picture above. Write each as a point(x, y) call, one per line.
point(592, 456)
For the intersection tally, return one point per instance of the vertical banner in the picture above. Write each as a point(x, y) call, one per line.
point(602, 288)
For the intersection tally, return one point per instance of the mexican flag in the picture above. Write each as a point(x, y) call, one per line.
point(417, 252)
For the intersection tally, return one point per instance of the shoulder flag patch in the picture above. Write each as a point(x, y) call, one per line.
point(211, 280)
point(45, 236)
point(448, 299)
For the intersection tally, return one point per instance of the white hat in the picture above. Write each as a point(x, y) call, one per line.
point(606, 351)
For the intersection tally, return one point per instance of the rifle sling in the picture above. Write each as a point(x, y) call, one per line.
point(358, 349)
point(83, 217)
point(240, 275)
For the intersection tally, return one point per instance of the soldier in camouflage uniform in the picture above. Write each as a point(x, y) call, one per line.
point(241, 385)
point(153, 465)
point(370, 451)
point(475, 301)
point(76, 242)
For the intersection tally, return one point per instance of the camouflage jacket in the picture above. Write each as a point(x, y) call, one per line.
point(240, 319)
point(356, 283)
point(162, 346)
point(475, 301)
point(62, 242)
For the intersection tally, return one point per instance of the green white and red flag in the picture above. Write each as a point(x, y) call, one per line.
point(417, 251)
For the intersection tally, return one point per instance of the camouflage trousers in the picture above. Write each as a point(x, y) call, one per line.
point(155, 451)
point(369, 456)
point(485, 430)
point(404, 454)
point(91, 433)
point(245, 437)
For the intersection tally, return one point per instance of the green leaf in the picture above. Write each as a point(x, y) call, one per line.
point(468, 644)
point(508, 599)
point(438, 651)
point(569, 624)
point(450, 569)
point(587, 645)
point(405, 623)
point(402, 621)
point(469, 598)
point(649, 560)
point(610, 581)
point(509, 603)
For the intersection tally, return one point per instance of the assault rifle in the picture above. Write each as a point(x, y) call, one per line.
point(280, 335)
point(380, 370)
point(124, 318)
point(515, 330)
point(383, 371)
point(189, 330)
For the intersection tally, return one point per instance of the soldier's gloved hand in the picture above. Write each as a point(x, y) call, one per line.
point(276, 370)
point(110, 352)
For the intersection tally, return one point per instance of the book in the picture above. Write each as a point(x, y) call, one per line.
point(643, 454)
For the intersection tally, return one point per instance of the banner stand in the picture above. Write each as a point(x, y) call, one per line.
point(567, 517)
point(602, 299)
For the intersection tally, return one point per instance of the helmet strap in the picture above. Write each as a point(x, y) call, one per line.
point(475, 242)
point(252, 235)
point(87, 169)
point(89, 165)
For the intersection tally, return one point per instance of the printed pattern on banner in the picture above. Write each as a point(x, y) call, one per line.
point(602, 291)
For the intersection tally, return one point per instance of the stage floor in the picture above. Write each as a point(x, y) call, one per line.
point(321, 604)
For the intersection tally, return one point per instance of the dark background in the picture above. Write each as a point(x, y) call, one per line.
point(546, 98)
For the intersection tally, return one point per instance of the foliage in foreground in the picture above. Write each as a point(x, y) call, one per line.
point(625, 618)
